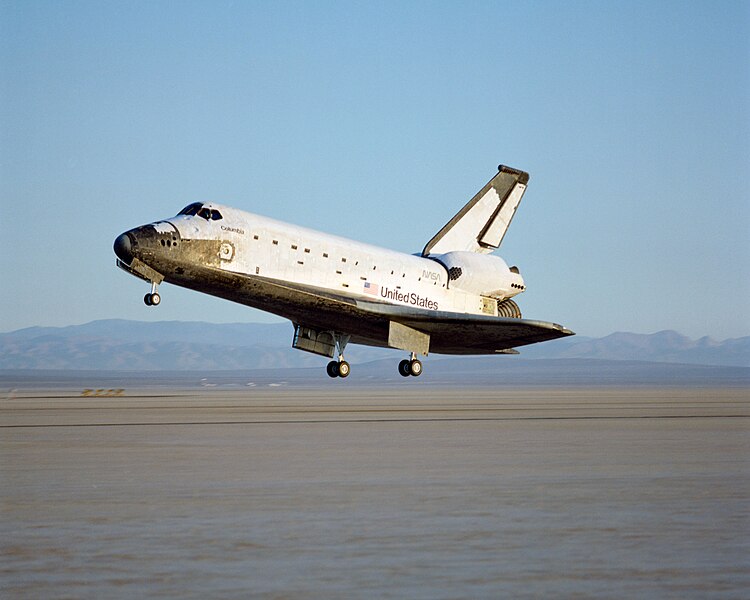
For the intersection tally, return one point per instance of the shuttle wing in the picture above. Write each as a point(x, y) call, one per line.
point(452, 333)
point(369, 322)
point(481, 225)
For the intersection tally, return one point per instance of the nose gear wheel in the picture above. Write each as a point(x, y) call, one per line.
point(152, 298)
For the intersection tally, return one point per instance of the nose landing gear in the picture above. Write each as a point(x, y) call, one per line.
point(410, 366)
point(153, 298)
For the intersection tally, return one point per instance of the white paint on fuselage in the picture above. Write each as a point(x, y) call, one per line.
point(282, 251)
point(163, 227)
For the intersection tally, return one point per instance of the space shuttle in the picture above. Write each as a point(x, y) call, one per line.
point(455, 297)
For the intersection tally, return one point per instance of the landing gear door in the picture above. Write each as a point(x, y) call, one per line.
point(317, 342)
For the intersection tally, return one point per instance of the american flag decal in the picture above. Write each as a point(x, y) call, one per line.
point(371, 288)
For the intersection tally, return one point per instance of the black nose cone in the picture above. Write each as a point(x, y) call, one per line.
point(123, 248)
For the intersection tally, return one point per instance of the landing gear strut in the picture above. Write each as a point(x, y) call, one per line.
point(339, 368)
point(411, 367)
point(152, 298)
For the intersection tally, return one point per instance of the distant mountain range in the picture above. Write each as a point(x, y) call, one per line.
point(119, 345)
point(663, 346)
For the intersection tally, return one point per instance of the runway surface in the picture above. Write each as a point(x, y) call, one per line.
point(408, 492)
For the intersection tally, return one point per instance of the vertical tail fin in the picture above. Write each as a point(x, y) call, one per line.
point(481, 225)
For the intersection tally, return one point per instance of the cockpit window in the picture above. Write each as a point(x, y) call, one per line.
point(197, 208)
point(191, 209)
point(209, 214)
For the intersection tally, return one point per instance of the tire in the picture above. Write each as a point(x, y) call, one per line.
point(155, 299)
point(416, 368)
point(344, 369)
point(147, 299)
point(332, 368)
point(404, 368)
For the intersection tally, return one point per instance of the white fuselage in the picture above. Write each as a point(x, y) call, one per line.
point(256, 245)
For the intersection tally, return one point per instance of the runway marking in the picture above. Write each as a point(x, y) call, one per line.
point(474, 406)
point(103, 393)
point(414, 420)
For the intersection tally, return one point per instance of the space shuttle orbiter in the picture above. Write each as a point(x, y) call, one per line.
point(454, 298)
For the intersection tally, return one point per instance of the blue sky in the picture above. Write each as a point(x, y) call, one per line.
point(378, 121)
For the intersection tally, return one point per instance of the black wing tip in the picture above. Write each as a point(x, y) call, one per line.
point(523, 176)
point(563, 331)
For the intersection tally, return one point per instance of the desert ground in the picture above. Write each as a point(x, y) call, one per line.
point(375, 493)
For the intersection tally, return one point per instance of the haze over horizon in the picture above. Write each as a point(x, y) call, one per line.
point(279, 321)
point(378, 123)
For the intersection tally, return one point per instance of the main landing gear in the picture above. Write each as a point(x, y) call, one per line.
point(410, 366)
point(153, 298)
point(339, 368)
